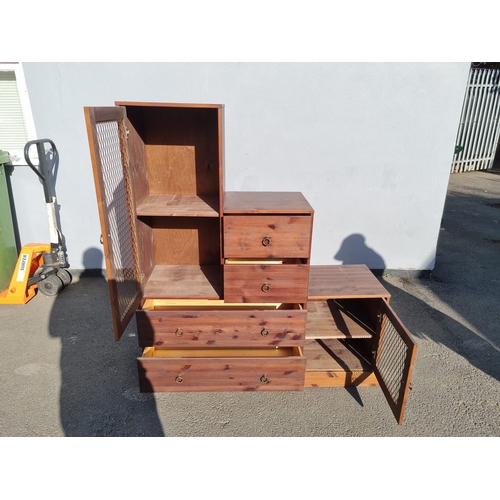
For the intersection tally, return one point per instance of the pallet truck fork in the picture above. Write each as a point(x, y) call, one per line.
point(40, 266)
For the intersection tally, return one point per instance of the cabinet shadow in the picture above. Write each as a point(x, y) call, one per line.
point(99, 394)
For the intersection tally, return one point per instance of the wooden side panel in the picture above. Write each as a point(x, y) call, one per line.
point(110, 161)
point(265, 236)
point(221, 374)
point(395, 355)
point(140, 182)
point(221, 328)
point(266, 283)
point(138, 163)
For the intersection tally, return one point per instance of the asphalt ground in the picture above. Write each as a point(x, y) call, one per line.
point(62, 374)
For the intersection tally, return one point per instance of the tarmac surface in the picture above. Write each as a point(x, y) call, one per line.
point(62, 374)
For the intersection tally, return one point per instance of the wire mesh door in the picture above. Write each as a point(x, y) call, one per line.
point(108, 145)
point(394, 356)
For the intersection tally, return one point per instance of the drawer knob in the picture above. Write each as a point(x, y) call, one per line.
point(264, 379)
point(179, 332)
point(266, 241)
point(264, 332)
point(178, 379)
point(265, 287)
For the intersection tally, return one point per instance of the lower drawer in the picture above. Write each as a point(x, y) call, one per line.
point(222, 325)
point(225, 369)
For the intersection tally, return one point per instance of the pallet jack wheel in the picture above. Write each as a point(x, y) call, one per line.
point(51, 285)
point(65, 276)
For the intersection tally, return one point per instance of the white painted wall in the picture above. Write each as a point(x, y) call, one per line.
point(368, 144)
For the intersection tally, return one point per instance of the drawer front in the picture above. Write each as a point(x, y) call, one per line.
point(266, 283)
point(189, 374)
point(267, 236)
point(221, 328)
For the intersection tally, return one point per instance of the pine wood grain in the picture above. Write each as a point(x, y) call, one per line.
point(267, 236)
point(234, 372)
point(286, 282)
point(177, 205)
point(340, 379)
point(254, 202)
point(330, 319)
point(221, 327)
point(335, 356)
point(188, 282)
point(349, 281)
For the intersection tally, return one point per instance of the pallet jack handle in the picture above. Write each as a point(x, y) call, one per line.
point(40, 266)
point(44, 168)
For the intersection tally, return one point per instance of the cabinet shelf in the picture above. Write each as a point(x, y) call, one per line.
point(337, 363)
point(184, 282)
point(338, 319)
point(178, 205)
point(336, 356)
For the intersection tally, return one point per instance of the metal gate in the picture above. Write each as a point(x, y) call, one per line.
point(479, 129)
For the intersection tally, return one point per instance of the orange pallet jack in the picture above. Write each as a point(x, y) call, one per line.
point(40, 266)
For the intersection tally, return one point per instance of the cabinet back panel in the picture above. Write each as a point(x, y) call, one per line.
point(172, 169)
point(186, 240)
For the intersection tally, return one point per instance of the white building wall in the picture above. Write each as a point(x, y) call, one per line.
point(369, 145)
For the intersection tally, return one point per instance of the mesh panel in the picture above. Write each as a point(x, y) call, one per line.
point(392, 355)
point(123, 255)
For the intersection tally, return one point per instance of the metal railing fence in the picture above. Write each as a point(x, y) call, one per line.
point(479, 129)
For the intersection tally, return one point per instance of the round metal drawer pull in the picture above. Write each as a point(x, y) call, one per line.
point(178, 379)
point(264, 332)
point(266, 241)
point(264, 379)
point(179, 332)
point(265, 287)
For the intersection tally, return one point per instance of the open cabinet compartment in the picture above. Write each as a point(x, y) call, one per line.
point(354, 337)
point(340, 337)
point(176, 164)
point(176, 168)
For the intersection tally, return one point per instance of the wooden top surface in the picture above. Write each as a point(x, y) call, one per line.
point(349, 281)
point(168, 104)
point(255, 202)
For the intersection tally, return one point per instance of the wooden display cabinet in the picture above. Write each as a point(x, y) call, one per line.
point(220, 282)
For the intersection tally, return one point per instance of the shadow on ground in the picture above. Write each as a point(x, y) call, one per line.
point(99, 393)
point(458, 306)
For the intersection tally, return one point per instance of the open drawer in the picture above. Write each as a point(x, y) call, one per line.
point(221, 369)
point(213, 323)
